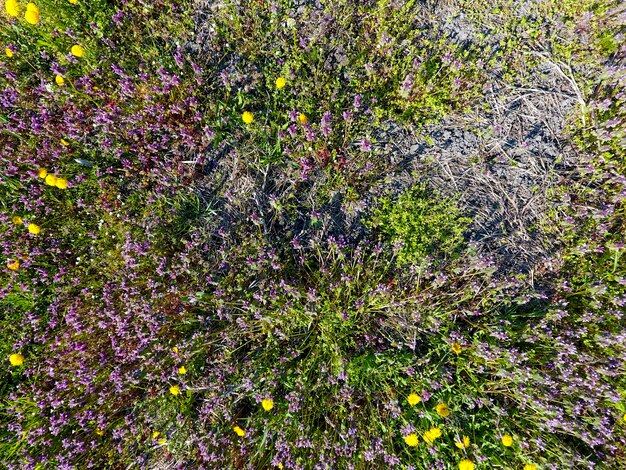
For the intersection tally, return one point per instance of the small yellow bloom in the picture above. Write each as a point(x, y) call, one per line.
point(280, 83)
point(432, 434)
point(51, 180)
point(16, 359)
point(442, 410)
point(17, 220)
point(466, 465)
point(507, 441)
point(411, 440)
point(182, 370)
point(175, 349)
point(247, 117)
point(240, 432)
point(464, 443)
point(303, 119)
point(161, 441)
point(413, 399)
point(456, 347)
point(155, 434)
point(32, 13)
point(530, 466)
point(267, 404)
point(280, 465)
point(61, 183)
point(73, 2)
point(42, 172)
point(59, 80)
point(64, 142)
point(8, 52)
point(77, 50)
point(34, 229)
point(12, 7)
point(174, 389)
point(99, 432)
point(14, 265)
point(624, 417)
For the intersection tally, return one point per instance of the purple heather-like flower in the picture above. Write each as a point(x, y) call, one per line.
point(407, 86)
point(366, 145)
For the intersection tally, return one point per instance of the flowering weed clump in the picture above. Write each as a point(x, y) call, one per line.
point(215, 253)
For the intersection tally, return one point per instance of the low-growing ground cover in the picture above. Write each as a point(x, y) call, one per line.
point(313, 234)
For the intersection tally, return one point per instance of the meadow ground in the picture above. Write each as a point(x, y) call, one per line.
point(300, 234)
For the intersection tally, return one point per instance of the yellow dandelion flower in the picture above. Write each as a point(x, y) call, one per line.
point(32, 13)
point(34, 229)
point(12, 7)
point(240, 432)
point(507, 441)
point(466, 465)
point(411, 440)
point(8, 52)
point(51, 180)
point(247, 117)
point(432, 434)
point(42, 172)
point(174, 389)
point(303, 119)
point(61, 183)
point(16, 359)
point(267, 404)
point(155, 434)
point(161, 441)
point(280, 83)
point(73, 2)
point(175, 349)
point(182, 370)
point(464, 443)
point(456, 347)
point(413, 399)
point(77, 50)
point(59, 80)
point(99, 432)
point(530, 466)
point(17, 220)
point(64, 142)
point(442, 410)
point(435, 432)
point(13, 265)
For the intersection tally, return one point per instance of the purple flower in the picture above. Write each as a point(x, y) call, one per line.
point(178, 58)
point(407, 86)
point(118, 17)
point(326, 129)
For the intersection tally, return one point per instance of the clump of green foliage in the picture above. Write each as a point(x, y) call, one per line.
point(421, 223)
